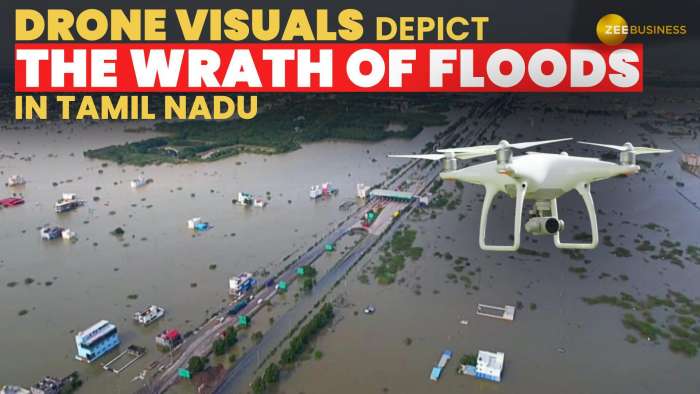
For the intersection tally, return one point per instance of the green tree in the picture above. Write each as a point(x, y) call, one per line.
point(258, 385)
point(308, 284)
point(306, 334)
point(309, 271)
point(230, 336)
point(219, 347)
point(196, 364)
point(272, 374)
point(468, 359)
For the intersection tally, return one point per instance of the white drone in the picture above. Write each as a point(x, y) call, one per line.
point(542, 177)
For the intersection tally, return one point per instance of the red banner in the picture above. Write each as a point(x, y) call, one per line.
point(327, 67)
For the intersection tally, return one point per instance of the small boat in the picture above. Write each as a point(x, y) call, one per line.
point(149, 315)
point(369, 309)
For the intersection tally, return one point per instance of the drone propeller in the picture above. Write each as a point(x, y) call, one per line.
point(430, 156)
point(439, 156)
point(484, 150)
point(503, 152)
point(628, 147)
point(449, 159)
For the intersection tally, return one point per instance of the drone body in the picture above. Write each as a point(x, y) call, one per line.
point(539, 177)
point(547, 175)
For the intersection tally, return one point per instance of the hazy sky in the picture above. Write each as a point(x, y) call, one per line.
point(511, 21)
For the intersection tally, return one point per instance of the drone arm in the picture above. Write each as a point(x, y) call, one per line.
point(584, 189)
point(491, 192)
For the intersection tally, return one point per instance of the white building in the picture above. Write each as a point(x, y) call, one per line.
point(362, 190)
point(138, 182)
point(69, 197)
point(424, 201)
point(240, 283)
point(16, 180)
point(489, 365)
point(192, 223)
point(315, 192)
point(245, 198)
point(68, 235)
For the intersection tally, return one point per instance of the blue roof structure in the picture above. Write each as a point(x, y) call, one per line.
point(435, 373)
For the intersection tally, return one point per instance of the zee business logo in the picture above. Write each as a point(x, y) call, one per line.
point(613, 29)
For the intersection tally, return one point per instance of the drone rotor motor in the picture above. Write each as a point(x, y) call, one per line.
point(449, 162)
point(628, 158)
point(504, 157)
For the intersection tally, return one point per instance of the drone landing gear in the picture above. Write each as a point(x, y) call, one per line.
point(491, 191)
point(584, 189)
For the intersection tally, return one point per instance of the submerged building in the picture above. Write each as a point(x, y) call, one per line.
point(691, 163)
point(68, 202)
point(11, 389)
point(240, 284)
point(489, 366)
point(96, 340)
point(49, 385)
point(169, 338)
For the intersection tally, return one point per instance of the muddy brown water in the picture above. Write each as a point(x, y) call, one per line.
point(158, 258)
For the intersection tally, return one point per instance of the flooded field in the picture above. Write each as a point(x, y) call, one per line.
point(557, 343)
point(51, 289)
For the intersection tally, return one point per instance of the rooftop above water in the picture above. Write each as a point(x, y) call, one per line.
point(95, 331)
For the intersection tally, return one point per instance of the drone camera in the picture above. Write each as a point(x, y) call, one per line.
point(544, 225)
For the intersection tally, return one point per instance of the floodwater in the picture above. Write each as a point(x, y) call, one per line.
point(158, 259)
point(562, 345)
